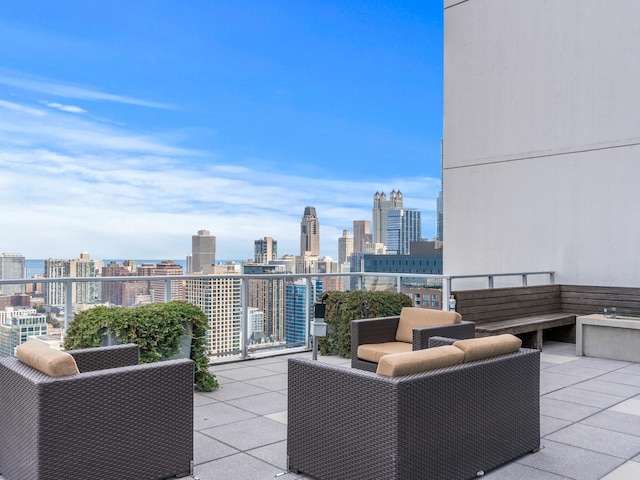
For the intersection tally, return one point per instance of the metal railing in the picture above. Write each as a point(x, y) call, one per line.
point(400, 282)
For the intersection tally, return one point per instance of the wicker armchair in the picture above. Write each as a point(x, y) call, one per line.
point(384, 329)
point(447, 424)
point(115, 419)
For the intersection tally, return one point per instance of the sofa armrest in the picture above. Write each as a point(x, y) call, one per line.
point(101, 358)
point(458, 331)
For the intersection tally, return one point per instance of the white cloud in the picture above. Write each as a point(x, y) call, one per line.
point(64, 108)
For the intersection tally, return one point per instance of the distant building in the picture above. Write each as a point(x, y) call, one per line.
point(299, 307)
point(361, 235)
point(381, 207)
point(404, 225)
point(439, 218)
point(203, 252)
point(17, 325)
point(12, 266)
point(84, 293)
point(309, 233)
point(265, 250)
point(157, 287)
point(345, 247)
point(125, 293)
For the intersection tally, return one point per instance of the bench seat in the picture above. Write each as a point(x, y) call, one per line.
point(535, 324)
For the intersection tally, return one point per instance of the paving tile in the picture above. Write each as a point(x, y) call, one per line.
point(202, 399)
point(560, 348)
point(585, 397)
point(278, 417)
point(274, 454)
point(207, 449)
point(278, 367)
point(570, 461)
point(597, 439)
point(214, 414)
point(247, 372)
point(556, 359)
point(517, 471)
point(632, 369)
point(262, 404)
point(235, 390)
point(601, 363)
point(615, 421)
point(565, 410)
point(550, 424)
point(626, 471)
point(631, 406)
point(550, 382)
point(249, 434)
point(273, 382)
point(619, 389)
point(623, 378)
point(575, 371)
point(236, 467)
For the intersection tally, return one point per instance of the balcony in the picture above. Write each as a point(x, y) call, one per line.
point(590, 417)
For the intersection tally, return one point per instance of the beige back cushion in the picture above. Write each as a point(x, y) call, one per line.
point(397, 364)
point(484, 347)
point(373, 352)
point(413, 317)
point(49, 361)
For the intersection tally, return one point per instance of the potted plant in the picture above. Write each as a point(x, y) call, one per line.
point(161, 330)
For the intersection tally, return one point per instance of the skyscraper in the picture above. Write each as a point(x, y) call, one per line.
point(12, 266)
point(345, 247)
point(381, 207)
point(361, 235)
point(404, 225)
point(265, 250)
point(439, 217)
point(309, 233)
point(298, 306)
point(203, 252)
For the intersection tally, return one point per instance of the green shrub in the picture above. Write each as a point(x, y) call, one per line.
point(156, 328)
point(342, 307)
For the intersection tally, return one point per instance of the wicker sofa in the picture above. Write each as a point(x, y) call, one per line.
point(450, 423)
point(408, 331)
point(114, 419)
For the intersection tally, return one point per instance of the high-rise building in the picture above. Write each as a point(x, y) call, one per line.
point(265, 250)
point(381, 207)
point(404, 225)
point(84, 293)
point(361, 235)
point(12, 266)
point(309, 233)
point(122, 293)
point(203, 252)
point(220, 298)
point(157, 287)
point(345, 247)
point(299, 306)
point(17, 326)
point(439, 218)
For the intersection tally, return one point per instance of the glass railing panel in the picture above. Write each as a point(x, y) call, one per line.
point(425, 292)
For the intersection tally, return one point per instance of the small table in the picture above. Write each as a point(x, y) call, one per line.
point(613, 338)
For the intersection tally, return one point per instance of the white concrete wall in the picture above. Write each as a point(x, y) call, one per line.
point(542, 139)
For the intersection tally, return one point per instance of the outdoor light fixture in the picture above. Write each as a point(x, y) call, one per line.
point(318, 325)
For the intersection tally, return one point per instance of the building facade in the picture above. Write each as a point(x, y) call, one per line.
point(203, 252)
point(404, 226)
point(345, 247)
point(381, 207)
point(541, 109)
point(265, 250)
point(12, 266)
point(299, 307)
point(361, 235)
point(309, 233)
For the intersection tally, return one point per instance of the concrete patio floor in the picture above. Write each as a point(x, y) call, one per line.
point(590, 421)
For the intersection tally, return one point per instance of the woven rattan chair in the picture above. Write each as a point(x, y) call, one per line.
point(384, 329)
point(114, 420)
point(448, 424)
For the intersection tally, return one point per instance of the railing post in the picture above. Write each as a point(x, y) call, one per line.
point(446, 291)
point(552, 278)
point(68, 302)
point(167, 290)
point(307, 312)
point(399, 284)
point(244, 325)
point(490, 279)
point(524, 279)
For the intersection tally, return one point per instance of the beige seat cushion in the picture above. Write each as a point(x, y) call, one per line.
point(49, 361)
point(372, 352)
point(413, 317)
point(484, 347)
point(397, 364)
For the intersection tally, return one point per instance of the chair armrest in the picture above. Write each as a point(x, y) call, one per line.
point(101, 358)
point(440, 341)
point(458, 331)
point(372, 330)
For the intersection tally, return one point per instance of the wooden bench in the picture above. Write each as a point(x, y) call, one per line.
point(529, 312)
point(522, 311)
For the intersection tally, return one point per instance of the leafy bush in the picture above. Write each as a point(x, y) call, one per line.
point(156, 328)
point(342, 307)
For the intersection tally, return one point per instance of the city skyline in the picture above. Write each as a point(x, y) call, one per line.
point(126, 128)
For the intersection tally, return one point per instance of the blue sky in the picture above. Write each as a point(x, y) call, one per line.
point(125, 127)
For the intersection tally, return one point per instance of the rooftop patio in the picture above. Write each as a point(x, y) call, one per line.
point(590, 420)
